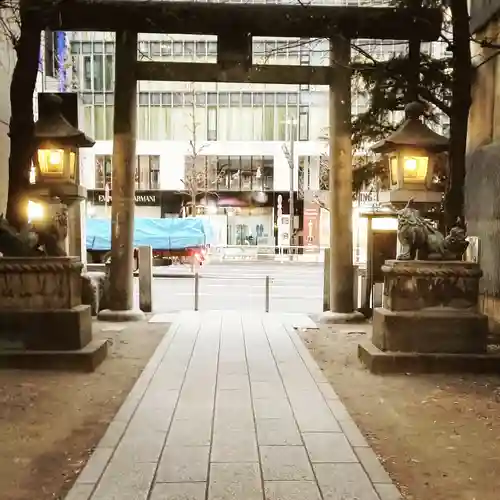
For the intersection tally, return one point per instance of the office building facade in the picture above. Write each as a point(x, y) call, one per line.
point(231, 135)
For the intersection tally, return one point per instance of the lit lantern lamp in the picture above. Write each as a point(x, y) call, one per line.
point(55, 164)
point(412, 154)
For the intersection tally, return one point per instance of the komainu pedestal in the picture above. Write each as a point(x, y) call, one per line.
point(43, 323)
point(430, 307)
point(430, 321)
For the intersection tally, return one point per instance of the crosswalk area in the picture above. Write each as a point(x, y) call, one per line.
point(293, 287)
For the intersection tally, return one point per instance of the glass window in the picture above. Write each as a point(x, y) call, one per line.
point(143, 123)
point(267, 173)
point(177, 99)
point(99, 123)
point(103, 167)
point(235, 173)
point(166, 99)
point(167, 116)
point(324, 173)
point(147, 172)
point(234, 99)
point(258, 99)
point(246, 99)
point(166, 49)
point(189, 48)
point(195, 174)
point(109, 72)
point(86, 47)
point(177, 48)
point(98, 48)
point(154, 172)
point(211, 124)
point(201, 49)
point(155, 49)
point(212, 48)
point(281, 124)
point(303, 124)
point(269, 123)
point(212, 99)
point(87, 120)
point(87, 73)
point(98, 73)
point(223, 173)
point(201, 98)
point(280, 98)
point(257, 173)
point(109, 122)
point(86, 98)
point(155, 98)
point(141, 172)
point(246, 173)
point(143, 51)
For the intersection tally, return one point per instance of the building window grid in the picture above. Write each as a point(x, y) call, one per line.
point(264, 50)
point(94, 60)
point(229, 173)
point(275, 106)
point(147, 172)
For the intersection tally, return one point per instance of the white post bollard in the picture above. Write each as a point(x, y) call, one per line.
point(196, 290)
point(145, 279)
point(268, 289)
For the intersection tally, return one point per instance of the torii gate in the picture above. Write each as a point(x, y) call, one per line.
point(234, 25)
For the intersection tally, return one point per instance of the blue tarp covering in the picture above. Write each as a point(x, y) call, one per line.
point(160, 234)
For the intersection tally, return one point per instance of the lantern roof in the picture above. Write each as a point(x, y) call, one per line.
point(413, 133)
point(52, 127)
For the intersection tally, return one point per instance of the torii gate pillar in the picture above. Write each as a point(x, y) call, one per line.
point(121, 285)
point(341, 308)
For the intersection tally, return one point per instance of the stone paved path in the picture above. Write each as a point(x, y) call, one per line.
point(232, 406)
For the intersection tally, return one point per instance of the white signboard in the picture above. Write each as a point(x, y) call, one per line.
point(284, 231)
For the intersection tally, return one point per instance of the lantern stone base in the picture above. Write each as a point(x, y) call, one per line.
point(429, 320)
point(448, 331)
point(43, 323)
point(121, 316)
point(335, 318)
point(387, 362)
point(86, 359)
point(61, 329)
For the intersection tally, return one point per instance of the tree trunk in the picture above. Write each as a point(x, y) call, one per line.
point(22, 144)
point(459, 116)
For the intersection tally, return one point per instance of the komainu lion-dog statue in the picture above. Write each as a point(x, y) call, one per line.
point(421, 240)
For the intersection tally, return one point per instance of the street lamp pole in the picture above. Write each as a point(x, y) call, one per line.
point(292, 190)
point(289, 152)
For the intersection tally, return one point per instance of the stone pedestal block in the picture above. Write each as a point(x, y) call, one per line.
point(43, 323)
point(430, 331)
point(54, 329)
point(426, 285)
point(430, 309)
point(40, 283)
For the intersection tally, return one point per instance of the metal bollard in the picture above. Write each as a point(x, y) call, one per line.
point(145, 260)
point(196, 290)
point(268, 287)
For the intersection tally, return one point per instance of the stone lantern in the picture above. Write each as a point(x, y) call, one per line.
point(54, 177)
point(43, 323)
point(412, 154)
point(55, 163)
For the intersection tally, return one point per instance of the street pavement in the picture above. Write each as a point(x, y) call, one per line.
point(233, 407)
point(294, 287)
